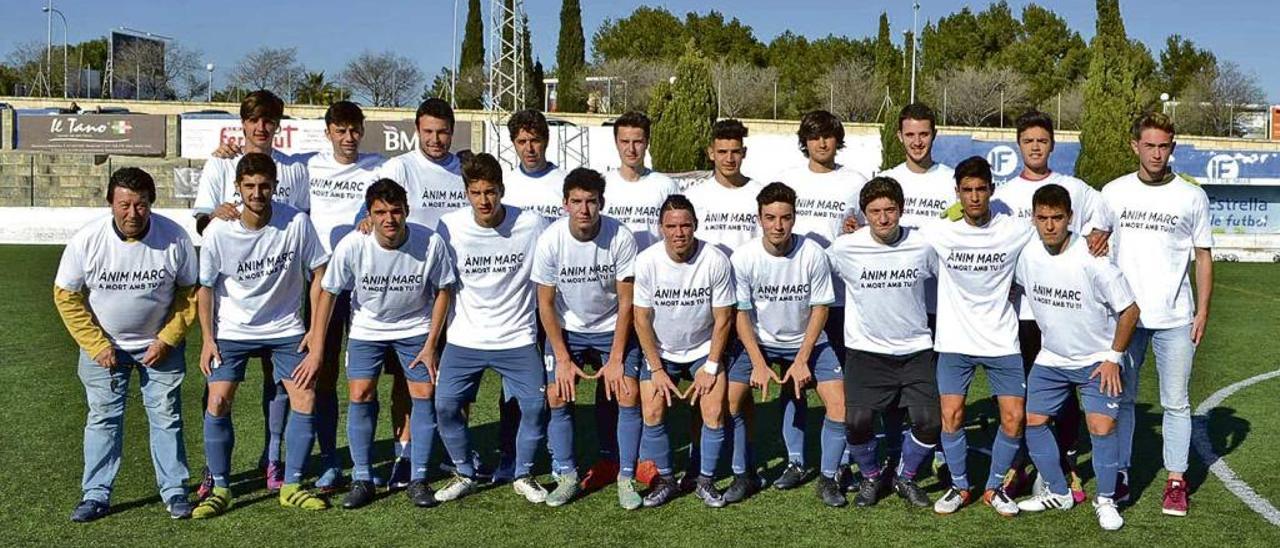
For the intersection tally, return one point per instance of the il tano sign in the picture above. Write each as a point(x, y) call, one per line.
point(135, 134)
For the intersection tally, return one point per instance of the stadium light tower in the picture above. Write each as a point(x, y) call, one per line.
point(915, 19)
point(209, 90)
point(51, 10)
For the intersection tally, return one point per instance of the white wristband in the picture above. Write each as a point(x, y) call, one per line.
point(711, 368)
point(1115, 357)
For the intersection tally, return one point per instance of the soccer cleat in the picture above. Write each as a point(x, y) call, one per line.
point(646, 472)
point(458, 487)
point(910, 492)
point(566, 489)
point(792, 477)
point(869, 491)
point(419, 492)
point(399, 473)
point(999, 500)
point(1122, 488)
point(601, 474)
point(845, 479)
point(206, 484)
point(628, 498)
point(179, 507)
point(953, 500)
point(1078, 494)
point(705, 489)
point(528, 487)
point(293, 495)
point(1108, 515)
point(506, 470)
point(1047, 500)
point(688, 481)
point(275, 476)
point(1175, 498)
point(330, 481)
point(829, 492)
point(663, 489)
point(89, 510)
point(360, 495)
point(743, 486)
point(482, 471)
point(216, 504)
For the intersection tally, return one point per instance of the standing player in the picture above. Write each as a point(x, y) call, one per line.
point(783, 285)
point(253, 272)
point(535, 184)
point(636, 192)
point(683, 312)
point(491, 325)
point(1161, 222)
point(584, 268)
point(890, 359)
point(430, 175)
point(397, 278)
point(139, 270)
point(1077, 298)
point(977, 326)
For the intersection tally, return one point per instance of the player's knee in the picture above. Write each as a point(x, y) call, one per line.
point(653, 414)
point(952, 418)
point(712, 413)
point(362, 392)
point(420, 391)
point(302, 401)
point(858, 427)
point(1036, 419)
point(219, 405)
point(1099, 424)
point(926, 424)
point(553, 397)
point(1012, 418)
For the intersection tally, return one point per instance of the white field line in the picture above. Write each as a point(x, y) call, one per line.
point(1218, 465)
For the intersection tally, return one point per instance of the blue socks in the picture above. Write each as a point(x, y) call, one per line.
point(865, 455)
point(833, 446)
point(1044, 453)
point(560, 439)
point(1125, 424)
point(422, 429)
point(362, 421)
point(299, 436)
point(530, 434)
point(219, 439)
point(738, 426)
point(794, 414)
point(955, 449)
point(454, 434)
point(914, 454)
point(1003, 451)
point(630, 425)
point(326, 412)
point(656, 444)
point(606, 424)
point(712, 440)
point(275, 408)
point(1105, 466)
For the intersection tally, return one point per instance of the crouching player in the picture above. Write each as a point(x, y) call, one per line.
point(398, 276)
point(1088, 314)
point(783, 285)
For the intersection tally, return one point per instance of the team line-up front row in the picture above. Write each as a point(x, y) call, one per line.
point(882, 299)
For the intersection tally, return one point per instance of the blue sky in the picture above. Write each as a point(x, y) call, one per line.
point(328, 32)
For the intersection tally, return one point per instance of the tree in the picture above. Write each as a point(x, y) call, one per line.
point(571, 60)
point(1111, 101)
point(534, 88)
point(472, 38)
point(1047, 53)
point(267, 68)
point(717, 39)
point(647, 34)
point(639, 77)
point(160, 71)
point(790, 53)
point(470, 91)
point(683, 113)
point(1180, 63)
point(1066, 106)
point(854, 93)
point(977, 96)
point(1213, 97)
point(385, 79)
point(743, 90)
point(887, 63)
point(314, 89)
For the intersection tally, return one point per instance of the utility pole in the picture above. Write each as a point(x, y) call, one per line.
point(915, 17)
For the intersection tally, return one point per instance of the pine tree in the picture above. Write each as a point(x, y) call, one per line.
point(1111, 100)
point(888, 74)
point(682, 114)
point(571, 60)
point(471, 62)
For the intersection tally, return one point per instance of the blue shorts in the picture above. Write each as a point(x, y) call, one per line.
point(823, 363)
point(235, 356)
point(365, 359)
point(676, 370)
point(1047, 388)
point(592, 350)
point(462, 368)
point(1004, 373)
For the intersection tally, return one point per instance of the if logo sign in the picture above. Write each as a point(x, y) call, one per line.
point(1003, 160)
point(1223, 166)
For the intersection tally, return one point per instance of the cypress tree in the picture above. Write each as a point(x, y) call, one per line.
point(471, 60)
point(888, 74)
point(533, 87)
point(682, 114)
point(1111, 100)
point(571, 94)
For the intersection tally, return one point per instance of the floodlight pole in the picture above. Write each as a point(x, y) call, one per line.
point(915, 17)
point(51, 11)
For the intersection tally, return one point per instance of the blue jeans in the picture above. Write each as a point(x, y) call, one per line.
point(1174, 354)
point(106, 391)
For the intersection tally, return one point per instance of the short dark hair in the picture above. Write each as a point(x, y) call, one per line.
point(529, 120)
point(435, 107)
point(976, 167)
point(482, 167)
point(262, 104)
point(819, 124)
point(1035, 118)
point(632, 119)
point(255, 163)
point(344, 113)
point(135, 179)
point(729, 129)
point(387, 191)
point(918, 111)
point(1152, 120)
point(675, 202)
point(584, 178)
point(1052, 195)
point(775, 192)
point(880, 187)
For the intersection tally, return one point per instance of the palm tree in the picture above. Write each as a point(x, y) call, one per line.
point(315, 90)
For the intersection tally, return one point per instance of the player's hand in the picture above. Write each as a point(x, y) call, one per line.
point(760, 377)
point(1109, 383)
point(1198, 325)
point(799, 375)
point(107, 358)
point(614, 377)
point(304, 375)
point(703, 382)
point(365, 226)
point(426, 358)
point(1099, 242)
point(227, 150)
point(226, 212)
point(155, 354)
point(663, 385)
point(850, 224)
point(210, 359)
point(567, 374)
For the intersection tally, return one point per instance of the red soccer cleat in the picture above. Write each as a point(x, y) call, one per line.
point(602, 473)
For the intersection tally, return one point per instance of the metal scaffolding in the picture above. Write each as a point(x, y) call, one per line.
point(506, 73)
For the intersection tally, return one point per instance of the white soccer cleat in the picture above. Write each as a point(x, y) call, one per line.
point(530, 489)
point(1000, 502)
point(457, 488)
point(954, 499)
point(1047, 501)
point(1108, 515)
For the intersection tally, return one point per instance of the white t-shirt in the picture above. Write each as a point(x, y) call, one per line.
point(824, 201)
point(131, 284)
point(975, 273)
point(542, 192)
point(727, 217)
point(585, 274)
point(434, 189)
point(1076, 298)
point(1157, 227)
point(925, 195)
point(682, 296)
point(259, 276)
point(337, 193)
point(779, 291)
point(885, 291)
point(637, 203)
point(218, 183)
point(493, 307)
point(392, 290)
